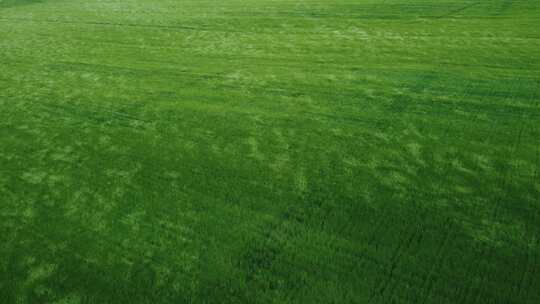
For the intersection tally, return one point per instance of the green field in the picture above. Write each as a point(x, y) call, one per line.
point(269, 151)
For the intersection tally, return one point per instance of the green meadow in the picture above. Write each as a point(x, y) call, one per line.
point(269, 151)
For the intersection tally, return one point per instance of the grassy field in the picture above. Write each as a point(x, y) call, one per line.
point(269, 151)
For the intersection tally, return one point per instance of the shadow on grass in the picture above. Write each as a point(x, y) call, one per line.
point(14, 3)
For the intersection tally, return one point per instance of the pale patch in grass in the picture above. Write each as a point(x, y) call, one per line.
point(254, 149)
point(40, 272)
point(34, 176)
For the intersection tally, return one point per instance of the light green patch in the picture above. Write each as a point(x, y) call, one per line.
point(34, 176)
point(40, 272)
point(254, 149)
point(301, 182)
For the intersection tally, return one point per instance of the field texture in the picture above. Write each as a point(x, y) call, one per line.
point(269, 151)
